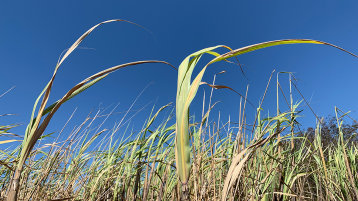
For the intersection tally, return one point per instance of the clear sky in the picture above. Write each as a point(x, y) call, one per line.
point(34, 33)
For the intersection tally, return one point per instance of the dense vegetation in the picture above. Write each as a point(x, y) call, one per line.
point(267, 159)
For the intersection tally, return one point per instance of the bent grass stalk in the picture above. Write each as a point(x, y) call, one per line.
point(186, 91)
point(34, 130)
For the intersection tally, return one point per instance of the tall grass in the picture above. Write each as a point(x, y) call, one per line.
point(186, 91)
point(225, 165)
point(122, 165)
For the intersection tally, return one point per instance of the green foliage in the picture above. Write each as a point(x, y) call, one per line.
point(101, 165)
point(231, 165)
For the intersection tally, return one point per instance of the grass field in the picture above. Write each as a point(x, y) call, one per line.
point(205, 159)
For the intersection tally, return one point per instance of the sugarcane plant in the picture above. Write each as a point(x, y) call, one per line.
point(187, 89)
point(38, 124)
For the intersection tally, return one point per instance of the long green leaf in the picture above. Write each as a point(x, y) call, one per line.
point(185, 94)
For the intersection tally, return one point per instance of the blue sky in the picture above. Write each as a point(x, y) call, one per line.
point(33, 35)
